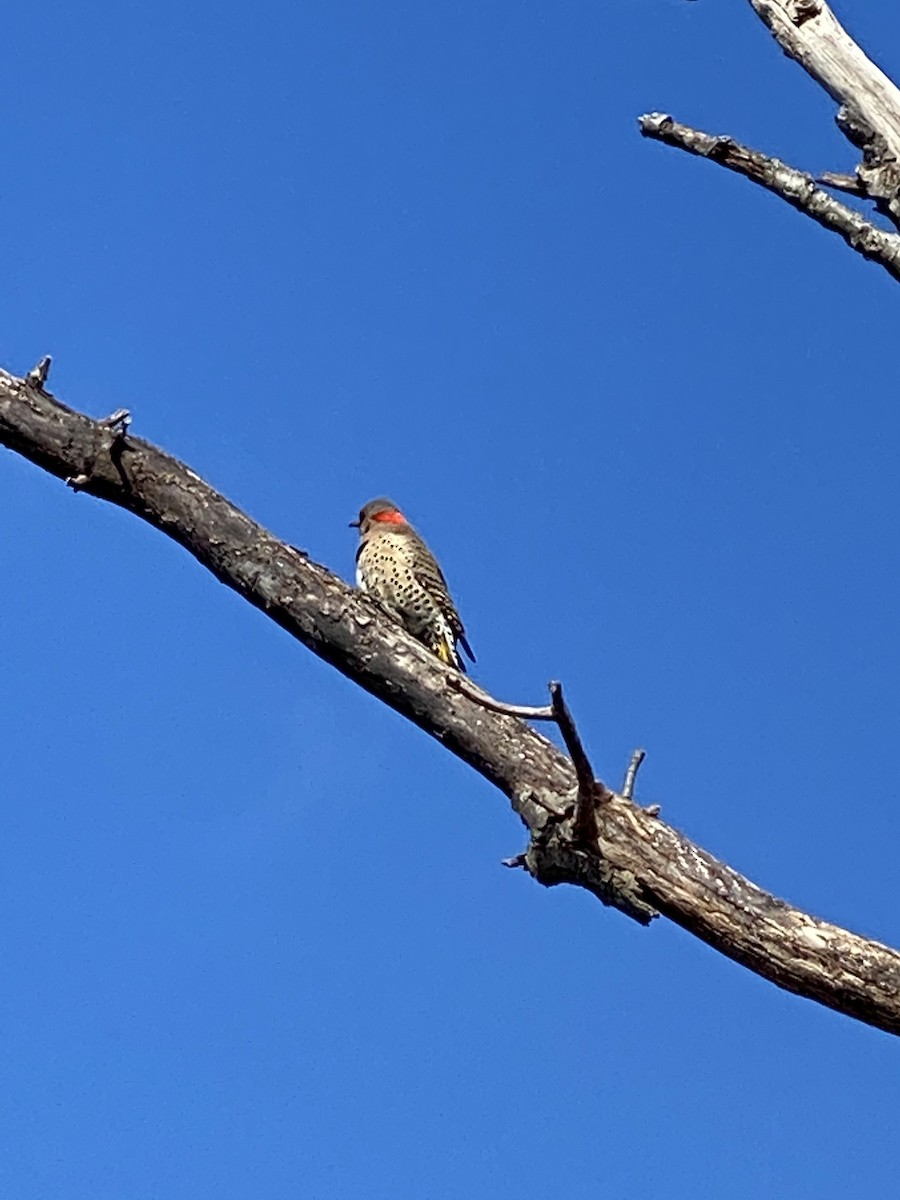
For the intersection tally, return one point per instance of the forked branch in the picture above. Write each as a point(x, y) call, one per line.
point(869, 117)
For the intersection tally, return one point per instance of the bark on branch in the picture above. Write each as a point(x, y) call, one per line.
point(796, 187)
point(632, 860)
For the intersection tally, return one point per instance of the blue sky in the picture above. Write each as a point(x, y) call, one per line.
point(255, 937)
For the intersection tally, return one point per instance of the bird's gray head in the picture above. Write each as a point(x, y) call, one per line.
point(379, 514)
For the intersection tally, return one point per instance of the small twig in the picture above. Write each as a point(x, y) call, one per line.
point(796, 187)
point(842, 183)
point(526, 712)
point(631, 774)
point(116, 425)
point(590, 790)
point(37, 376)
point(584, 772)
point(117, 422)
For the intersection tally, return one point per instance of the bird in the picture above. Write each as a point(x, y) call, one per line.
point(394, 565)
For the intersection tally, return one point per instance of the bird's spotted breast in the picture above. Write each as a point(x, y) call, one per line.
point(396, 566)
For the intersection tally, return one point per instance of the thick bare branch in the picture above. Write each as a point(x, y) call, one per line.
point(667, 872)
point(796, 187)
point(810, 33)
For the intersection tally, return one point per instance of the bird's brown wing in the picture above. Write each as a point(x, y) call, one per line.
point(431, 577)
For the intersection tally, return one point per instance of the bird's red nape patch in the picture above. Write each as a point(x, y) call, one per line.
point(391, 517)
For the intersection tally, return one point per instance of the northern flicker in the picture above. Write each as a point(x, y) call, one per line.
point(394, 565)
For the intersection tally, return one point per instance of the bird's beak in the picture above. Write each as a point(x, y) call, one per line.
point(354, 525)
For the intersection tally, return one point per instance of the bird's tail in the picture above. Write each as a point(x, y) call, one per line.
point(447, 654)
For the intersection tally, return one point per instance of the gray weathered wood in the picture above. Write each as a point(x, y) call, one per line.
point(869, 116)
point(796, 187)
point(810, 33)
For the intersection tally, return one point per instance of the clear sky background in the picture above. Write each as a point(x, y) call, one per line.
point(255, 936)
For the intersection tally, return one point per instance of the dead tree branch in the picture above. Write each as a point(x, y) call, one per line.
point(810, 33)
point(796, 187)
point(868, 116)
point(637, 863)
